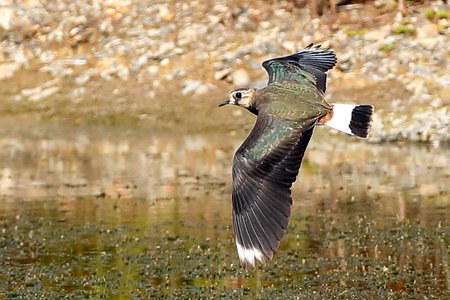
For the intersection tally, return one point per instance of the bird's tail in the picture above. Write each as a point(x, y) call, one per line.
point(350, 118)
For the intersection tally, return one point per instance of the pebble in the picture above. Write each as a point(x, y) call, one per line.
point(444, 80)
point(40, 94)
point(43, 91)
point(240, 78)
point(6, 14)
point(163, 41)
point(222, 74)
point(85, 76)
point(195, 87)
point(7, 70)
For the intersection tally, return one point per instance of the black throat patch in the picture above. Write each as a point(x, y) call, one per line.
point(253, 109)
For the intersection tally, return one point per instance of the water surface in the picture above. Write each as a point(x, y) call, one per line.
point(120, 213)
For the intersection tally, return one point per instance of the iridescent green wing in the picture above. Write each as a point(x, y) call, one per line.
point(293, 101)
point(264, 168)
point(305, 67)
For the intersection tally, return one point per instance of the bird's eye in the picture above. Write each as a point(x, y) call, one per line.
point(238, 95)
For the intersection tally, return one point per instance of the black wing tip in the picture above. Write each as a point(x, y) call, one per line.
point(324, 55)
point(317, 50)
point(315, 46)
point(361, 120)
point(261, 196)
point(312, 59)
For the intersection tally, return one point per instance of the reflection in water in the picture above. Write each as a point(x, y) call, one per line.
point(101, 213)
point(83, 165)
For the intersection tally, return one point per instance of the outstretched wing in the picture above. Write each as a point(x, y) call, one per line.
point(307, 66)
point(264, 168)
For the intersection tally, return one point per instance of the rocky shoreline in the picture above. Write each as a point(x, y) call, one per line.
point(154, 62)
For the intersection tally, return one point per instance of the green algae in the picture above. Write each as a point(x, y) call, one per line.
point(161, 225)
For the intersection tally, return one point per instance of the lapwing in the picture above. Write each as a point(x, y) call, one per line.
point(267, 163)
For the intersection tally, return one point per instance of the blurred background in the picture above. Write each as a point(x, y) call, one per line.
point(144, 61)
point(115, 162)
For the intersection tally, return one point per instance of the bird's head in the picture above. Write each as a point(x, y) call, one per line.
point(242, 98)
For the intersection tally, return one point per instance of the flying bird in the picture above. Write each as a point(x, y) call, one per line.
point(267, 163)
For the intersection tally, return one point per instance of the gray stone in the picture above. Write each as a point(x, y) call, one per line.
point(190, 86)
point(196, 87)
point(192, 33)
point(444, 80)
point(85, 77)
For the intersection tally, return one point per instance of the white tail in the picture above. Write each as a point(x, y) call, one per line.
point(350, 118)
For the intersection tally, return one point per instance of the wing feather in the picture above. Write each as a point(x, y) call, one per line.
point(266, 222)
point(264, 169)
point(308, 66)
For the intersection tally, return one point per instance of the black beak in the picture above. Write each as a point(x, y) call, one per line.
point(224, 103)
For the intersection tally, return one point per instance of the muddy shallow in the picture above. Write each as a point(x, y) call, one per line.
point(126, 213)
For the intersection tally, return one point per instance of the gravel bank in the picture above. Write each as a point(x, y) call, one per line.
point(141, 60)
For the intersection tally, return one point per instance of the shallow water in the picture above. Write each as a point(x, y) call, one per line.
point(102, 213)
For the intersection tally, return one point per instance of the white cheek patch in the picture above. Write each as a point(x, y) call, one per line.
point(249, 256)
point(245, 102)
